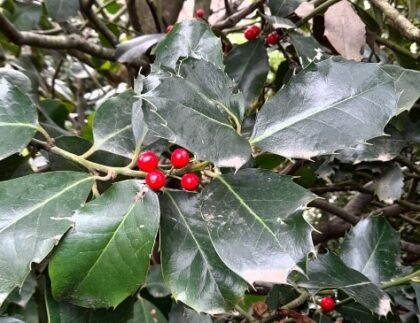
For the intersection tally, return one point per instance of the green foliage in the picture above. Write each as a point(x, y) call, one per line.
point(308, 165)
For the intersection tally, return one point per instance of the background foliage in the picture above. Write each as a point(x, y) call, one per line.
point(307, 151)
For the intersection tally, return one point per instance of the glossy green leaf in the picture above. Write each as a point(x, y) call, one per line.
point(280, 295)
point(329, 105)
point(247, 64)
point(26, 15)
point(16, 78)
point(112, 241)
point(328, 271)
point(190, 265)
point(113, 128)
point(171, 100)
point(132, 50)
point(268, 213)
point(372, 247)
point(62, 10)
point(356, 313)
point(416, 287)
point(181, 314)
point(190, 38)
point(18, 119)
point(283, 8)
point(34, 214)
point(383, 148)
point(10, 320)
point(61, 312)
point(307, 48)
point(21, 296)
point(155, 284)
point(146, 312)
point(389, 185)
point(407, 84)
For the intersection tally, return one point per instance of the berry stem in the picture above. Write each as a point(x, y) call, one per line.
point(92, 166)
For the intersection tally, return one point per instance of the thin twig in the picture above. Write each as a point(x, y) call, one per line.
point(397, 20)
point(72, 41)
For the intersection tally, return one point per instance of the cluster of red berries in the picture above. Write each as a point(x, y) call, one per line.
point(252, 32)
point(148, 161)
point(327, 304)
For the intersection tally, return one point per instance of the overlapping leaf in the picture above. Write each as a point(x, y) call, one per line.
point(113, 126)
point(247, 64)
point(389, 185)
point(330, 105)
point(328, 271)
point(146, 312)
point(182, 314)
point(18, 119)
point(194, 114)
point(34, 214)
point(283, 8)
point(112, 241)
point(372, 247)
point(268, 213)
point(190, 38)
point(307, 48)
point(383, 148)
point(191, 267)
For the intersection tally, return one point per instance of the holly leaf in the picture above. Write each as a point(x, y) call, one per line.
point(113, 128)
point(372, 247)
point(345, 30)
point(307, 48)
point(268, 213)
point(190, 38)
point(18, 119)
point(181, 314)
point(383, 148)
point(34, 215)
point(389, 186)
point(406, 83)
point(328, 271)
point(247, 64)
point(130, 51)
point(187, 255)
point(155, 284)
point(322, 106)
point(283, 8)
point(119, 227)
point(170, 100)
point(144, 311)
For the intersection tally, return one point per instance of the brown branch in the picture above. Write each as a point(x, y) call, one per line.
point(72, 41)
point(331, 208)
point(398, 20)
point(410, 247)
point(408, 163)
point(86, 6)
point(238, 16)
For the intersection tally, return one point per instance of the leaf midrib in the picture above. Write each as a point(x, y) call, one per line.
point(103, 251)
point(248, 208)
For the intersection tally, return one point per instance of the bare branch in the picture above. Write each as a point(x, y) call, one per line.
point(331, 208)
point(398, 20)
point(72, 41)
point(86, 6)
point(236, 17)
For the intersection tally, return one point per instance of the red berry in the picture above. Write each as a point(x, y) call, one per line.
point(148, 161)
point(200, 13)
point(190, 181)
point(169, 28)
point(327, 304)
point(252, 32)
point(272, 38)
point(155, 179)
point(180, 158)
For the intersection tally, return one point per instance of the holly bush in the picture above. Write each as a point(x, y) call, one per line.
point(257, 166)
